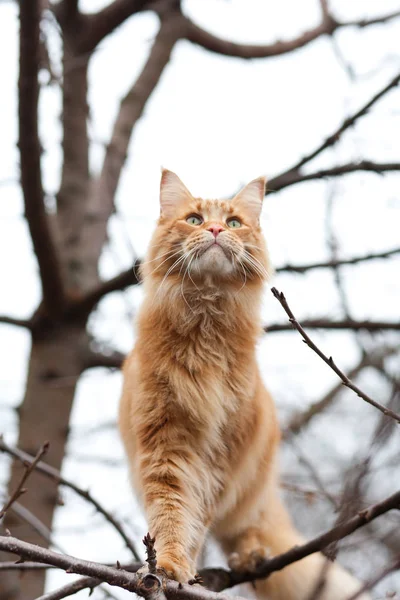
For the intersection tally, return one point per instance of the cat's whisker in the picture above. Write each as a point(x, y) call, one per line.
point(188, 255)
point(164, 261)
point(147, 262)
point(190, 264)
point(255, 263)
point(247, 245)
point(175, 264)
point(237, 259)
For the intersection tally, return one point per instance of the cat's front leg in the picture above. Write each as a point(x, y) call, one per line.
point(173, 513)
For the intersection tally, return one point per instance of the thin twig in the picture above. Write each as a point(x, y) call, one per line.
point(301, 419)
point(151, 553)
point(52, 473)
point(294, 176)
point(281, 180)
point(29, 467)
point(338, 325)
point(329, 361)
point(371, 583)
point(14, 321)
point(337, 262)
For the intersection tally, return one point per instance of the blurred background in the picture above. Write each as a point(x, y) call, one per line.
point(220, 91)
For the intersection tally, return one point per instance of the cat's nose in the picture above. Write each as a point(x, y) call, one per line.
point(215, 229)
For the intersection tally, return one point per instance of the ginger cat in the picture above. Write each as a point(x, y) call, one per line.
point(199, 428)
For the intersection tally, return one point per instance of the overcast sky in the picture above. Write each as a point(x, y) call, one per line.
point(218, 122)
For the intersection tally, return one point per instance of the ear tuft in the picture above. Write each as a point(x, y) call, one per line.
point(250, 198)
point(172, 193)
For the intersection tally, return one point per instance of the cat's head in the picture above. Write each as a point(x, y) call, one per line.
point(200, 240)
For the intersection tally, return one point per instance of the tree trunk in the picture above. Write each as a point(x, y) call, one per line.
point(54, 368)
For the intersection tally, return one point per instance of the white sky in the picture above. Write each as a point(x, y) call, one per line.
point(219, 122)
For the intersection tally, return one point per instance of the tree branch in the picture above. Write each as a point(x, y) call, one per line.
point(113, 576)
point(69, 589)
point(374, 21)
point(301, 419)
point(85, 305)
point(371, 583)
point(11, 565)
point(52, 473)
point(94, 359)
point(218, 579)
point(329, 361)
point(327, 26)
point(29, 467)
point(288, 268)
point(293, 177)
point(18, 322)
point(203, 38)
point(101, 201)
point(104, 22)
point(30, 151)
point(374, 326)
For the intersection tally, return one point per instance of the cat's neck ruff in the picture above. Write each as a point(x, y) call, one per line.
point(201, 309)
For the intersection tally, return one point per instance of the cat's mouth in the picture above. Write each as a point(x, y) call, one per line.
point(215, 245)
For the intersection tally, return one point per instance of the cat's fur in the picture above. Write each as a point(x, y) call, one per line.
point(199, 427)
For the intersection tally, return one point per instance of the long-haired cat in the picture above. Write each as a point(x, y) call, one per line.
point(199, 428)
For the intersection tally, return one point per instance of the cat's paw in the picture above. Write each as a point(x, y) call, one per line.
point(177, 570)
point(248, 562)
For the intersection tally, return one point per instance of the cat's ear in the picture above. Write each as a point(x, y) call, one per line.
point(172, 193)
point(250, 198)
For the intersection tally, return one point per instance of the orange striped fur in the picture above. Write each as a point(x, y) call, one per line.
point(199, 427)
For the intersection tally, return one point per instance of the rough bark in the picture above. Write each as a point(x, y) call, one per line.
point(54, 368)
point(58, 342)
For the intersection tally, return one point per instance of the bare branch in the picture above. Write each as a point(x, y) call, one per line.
point(29, 467)
point(104, 22)
point(151, 553)
point(369, 585)
point(374, 21)
point(118, 283)
point(69, 589)
point(302, 419)
point(279, 181)
point(10, 565)
point(113, 576)
point(201, 37)
point(218, 579)
point(373, 326)
point(329, 361)
point(30, 151)
point(34, 522)
point(327, 26)
point(52, 473)
point(293, 177)
point(83, 583)
point(101, 201)
point(93, 359)
point(18, 322)
point(336, 263)
point(67, 9)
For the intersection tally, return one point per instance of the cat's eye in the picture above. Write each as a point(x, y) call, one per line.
point(194, 220)
point(234, 223)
